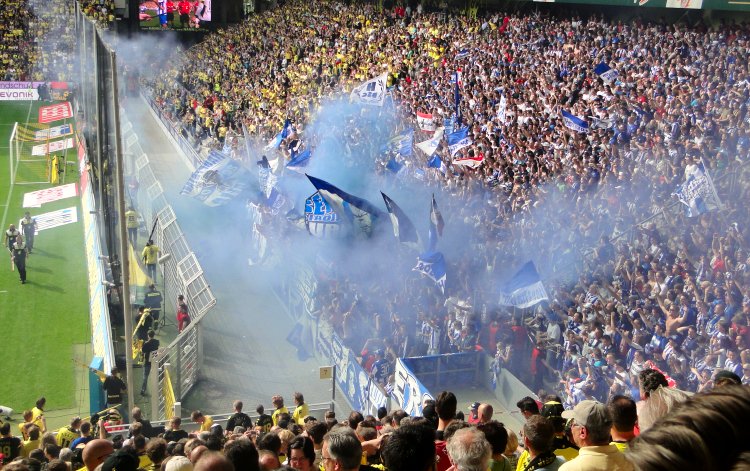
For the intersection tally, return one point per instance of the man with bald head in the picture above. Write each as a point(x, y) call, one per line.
point(95, 452)
point(212, 461)
point(485, 413)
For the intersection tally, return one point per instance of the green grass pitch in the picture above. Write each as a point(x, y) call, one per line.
point(40, 321)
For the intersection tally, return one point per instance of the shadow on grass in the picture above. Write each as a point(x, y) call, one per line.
point(46, 254)
point(53, 288)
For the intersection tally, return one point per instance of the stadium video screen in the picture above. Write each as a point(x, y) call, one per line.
point(182, 15)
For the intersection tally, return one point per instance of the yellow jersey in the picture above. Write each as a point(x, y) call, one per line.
point(207, 423)
point(65, 436)
point(150, 254)
point(277, 412)
point(28, 446)
point(37, 418)
point(299, 414)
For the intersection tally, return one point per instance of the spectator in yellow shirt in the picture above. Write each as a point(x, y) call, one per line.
point(205, 421)
point(301, 411)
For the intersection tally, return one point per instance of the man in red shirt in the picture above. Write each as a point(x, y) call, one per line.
point(171, 8)
point(184, 8)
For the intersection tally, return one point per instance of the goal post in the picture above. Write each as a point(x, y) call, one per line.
point(26, 168)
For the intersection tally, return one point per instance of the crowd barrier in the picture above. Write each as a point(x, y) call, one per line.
point(176, 366)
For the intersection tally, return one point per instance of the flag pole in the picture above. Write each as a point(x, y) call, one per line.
point(711, 184)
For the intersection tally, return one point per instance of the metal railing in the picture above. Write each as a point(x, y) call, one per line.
point(180, 274)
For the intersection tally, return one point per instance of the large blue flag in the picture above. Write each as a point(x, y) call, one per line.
point(459, 139)
point(697, 193)
point(432, 265)
point(574, 122)
point(525, 289)
point(403, 228)
point(283, 134)
point(436, 225)
point(300, 161)
point(218, 180)
point(359, 212)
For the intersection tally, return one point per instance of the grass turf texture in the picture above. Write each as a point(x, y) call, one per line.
point(41, 320)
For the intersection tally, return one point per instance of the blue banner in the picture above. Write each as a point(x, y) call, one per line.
point(408, 391)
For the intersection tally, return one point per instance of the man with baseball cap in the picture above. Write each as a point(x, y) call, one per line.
point(590, 427)
point(473, 413)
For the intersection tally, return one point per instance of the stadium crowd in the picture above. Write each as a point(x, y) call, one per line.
point(38, 40)
point(633, 282)
point(701, 432)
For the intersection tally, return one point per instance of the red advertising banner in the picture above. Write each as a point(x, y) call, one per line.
point(48, 114)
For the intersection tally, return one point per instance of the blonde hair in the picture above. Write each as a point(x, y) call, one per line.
point(512, 445)
point(286, 437)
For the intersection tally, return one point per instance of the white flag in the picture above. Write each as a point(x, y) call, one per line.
point(371, 92)
point(430, 145)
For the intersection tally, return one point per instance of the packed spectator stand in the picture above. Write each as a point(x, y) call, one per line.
point(635, 283)
point(669, 294)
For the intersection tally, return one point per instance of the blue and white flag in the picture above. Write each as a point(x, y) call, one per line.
point(403, 228)
point(320, 219)
point(574, 122)
point(402, 144)
point(283, 134)
point(430, 145)
point(607, 73)
point(436, 225)
point(697, 193)
point(436, 162)
point(525, 289)
point(372, 92)
point(300, 161)
point(432, 265)
point(457, 140)
point(462, 54)
point(362, 214)
point(218, 180)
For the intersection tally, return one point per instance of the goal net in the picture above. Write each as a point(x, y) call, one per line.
point(38, 153)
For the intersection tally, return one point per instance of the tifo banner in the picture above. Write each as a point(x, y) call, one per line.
point(35, 199)
point(408, 392)
point(48, 114)
point(53, 133)
point(50, 147)
point(217, 181)
point(56, 218)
